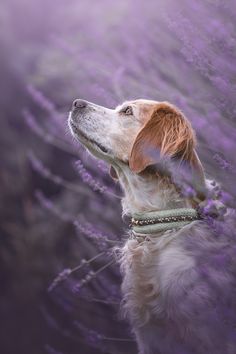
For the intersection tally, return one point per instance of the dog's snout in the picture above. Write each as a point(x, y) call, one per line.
point(79, 104)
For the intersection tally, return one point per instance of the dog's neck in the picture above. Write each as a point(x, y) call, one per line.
point(145, 193)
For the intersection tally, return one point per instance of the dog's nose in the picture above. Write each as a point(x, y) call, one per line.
point(79, 104)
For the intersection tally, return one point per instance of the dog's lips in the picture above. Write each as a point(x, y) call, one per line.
point(81, 134)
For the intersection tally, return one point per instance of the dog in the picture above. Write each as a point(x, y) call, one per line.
point(179, 288)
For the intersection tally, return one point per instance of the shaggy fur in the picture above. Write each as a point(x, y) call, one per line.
point(179, 286)
point(180, 290)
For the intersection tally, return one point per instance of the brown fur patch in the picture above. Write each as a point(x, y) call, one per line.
point(166, 132)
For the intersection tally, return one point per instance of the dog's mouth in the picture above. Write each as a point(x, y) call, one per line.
point(90, 141)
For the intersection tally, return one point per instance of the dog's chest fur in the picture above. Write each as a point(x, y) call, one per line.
point(149, 268)
point(180, 290)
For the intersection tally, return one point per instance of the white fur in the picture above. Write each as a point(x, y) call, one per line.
point(148, 269)
point(148, 193)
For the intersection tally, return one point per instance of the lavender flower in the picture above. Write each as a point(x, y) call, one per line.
point(61, 277)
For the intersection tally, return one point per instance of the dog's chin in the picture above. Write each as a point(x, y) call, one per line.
point(93, 146)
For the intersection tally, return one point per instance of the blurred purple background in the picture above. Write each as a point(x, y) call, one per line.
point(59, 207)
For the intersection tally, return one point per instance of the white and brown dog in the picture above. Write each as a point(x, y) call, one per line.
point(168, 297)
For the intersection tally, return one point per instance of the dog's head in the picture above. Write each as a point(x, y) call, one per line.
point(139, 133)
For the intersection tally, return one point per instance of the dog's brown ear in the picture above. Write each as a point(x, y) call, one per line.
point(167, 133)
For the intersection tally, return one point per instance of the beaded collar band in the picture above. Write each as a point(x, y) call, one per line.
point(156, 221)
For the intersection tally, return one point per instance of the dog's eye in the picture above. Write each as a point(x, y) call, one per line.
point(127, 111)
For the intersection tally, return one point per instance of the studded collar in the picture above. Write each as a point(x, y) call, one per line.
point(163, 220)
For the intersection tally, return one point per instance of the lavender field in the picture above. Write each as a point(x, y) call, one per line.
point(60, 212)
